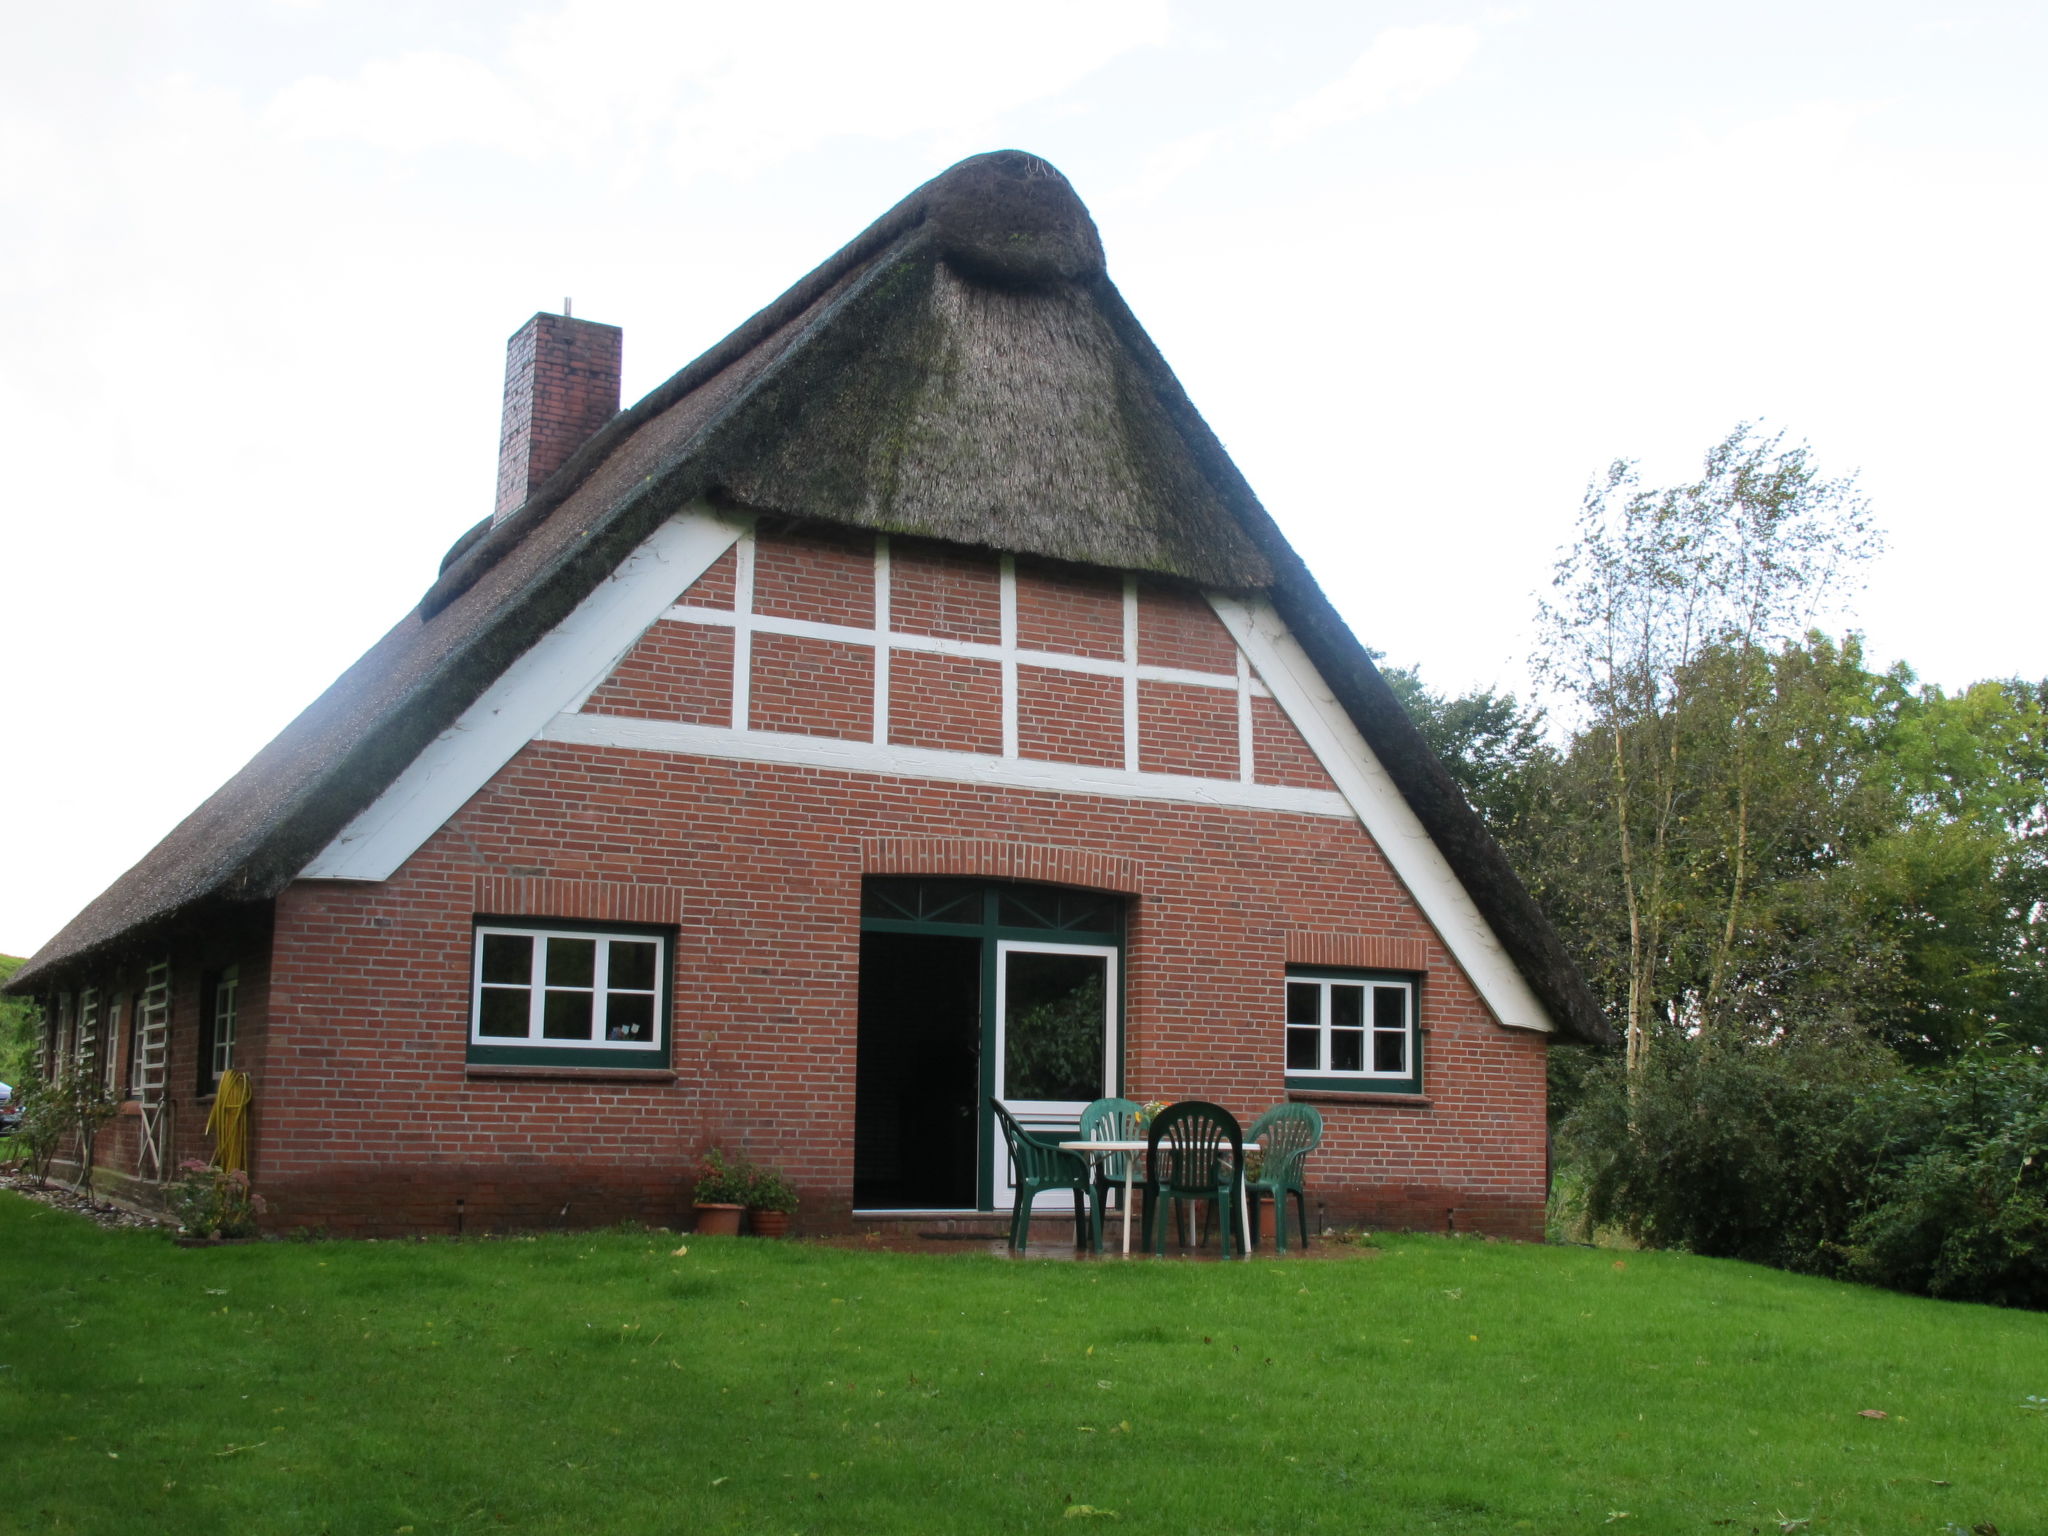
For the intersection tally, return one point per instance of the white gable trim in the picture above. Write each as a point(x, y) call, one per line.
point(858, 755)
point(1299, 690)
point(563, 665)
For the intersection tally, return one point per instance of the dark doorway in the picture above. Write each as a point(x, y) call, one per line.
point(917, 1072)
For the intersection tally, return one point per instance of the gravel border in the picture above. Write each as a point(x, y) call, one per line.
point(99, 1212)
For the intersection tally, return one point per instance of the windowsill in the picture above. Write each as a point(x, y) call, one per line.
point(509, 1071)
point(130, 1107)
point(1346, 1096)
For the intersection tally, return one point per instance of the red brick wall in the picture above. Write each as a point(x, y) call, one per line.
point(373, 989)
point(1280, 754)
point(373, 1121)
point(954, 594)
point(812, 687)
point(676, 672)
point(1187, 729)
point(952, 703)
point(1070, 717)
point(1065, 608)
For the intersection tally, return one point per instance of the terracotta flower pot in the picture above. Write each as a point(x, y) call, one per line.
point(768, 1223)
point(719, 1220)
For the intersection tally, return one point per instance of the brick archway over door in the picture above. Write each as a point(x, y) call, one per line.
point(991, 860)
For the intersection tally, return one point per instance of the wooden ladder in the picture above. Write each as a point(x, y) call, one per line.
point(152, 1045)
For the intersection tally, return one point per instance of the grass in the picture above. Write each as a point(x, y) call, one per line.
point(600, 1383)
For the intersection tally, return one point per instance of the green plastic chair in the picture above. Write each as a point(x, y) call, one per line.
point(1196, 1150)
point(1040, 1165)
point(1111, 1120)
point(1286, 1134)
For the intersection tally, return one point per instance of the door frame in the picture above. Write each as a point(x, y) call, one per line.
point(973, 907)
point(1035, 1113)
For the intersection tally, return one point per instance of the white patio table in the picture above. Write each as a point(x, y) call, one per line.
point(1095, 1149)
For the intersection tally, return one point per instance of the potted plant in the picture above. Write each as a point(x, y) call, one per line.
point(723, 1187)
point(770, 1203)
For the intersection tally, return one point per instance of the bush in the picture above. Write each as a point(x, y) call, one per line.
point(1744, 1152)
point(45, 1117)
point(1833, 1161)
point(52, 1110)
point(213, 1202)
point(1959, 1206)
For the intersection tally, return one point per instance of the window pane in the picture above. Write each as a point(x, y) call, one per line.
point(1389, 1051)
point(1055, 1010)
point(508, 957)
point(1347, 1006)
point(630, 1016)
point(632, 965)
point(566, 1016)
point(1390, 1008)
point(1015, 910)
point(572, 962)
point(504, 1012)
point(1347, 1050)
point(1302, 1048)
point(1304, 1003)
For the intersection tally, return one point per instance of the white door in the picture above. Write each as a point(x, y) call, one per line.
point(1055, 1040)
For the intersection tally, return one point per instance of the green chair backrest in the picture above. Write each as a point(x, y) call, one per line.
point(1038, 1162)
point(1286, 1134)
point(1195, 1147)
point(1112, 1120)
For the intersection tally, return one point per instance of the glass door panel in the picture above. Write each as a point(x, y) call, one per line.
point(1056, 1044)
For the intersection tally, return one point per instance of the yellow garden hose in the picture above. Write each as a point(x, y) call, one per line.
point(229, 1122)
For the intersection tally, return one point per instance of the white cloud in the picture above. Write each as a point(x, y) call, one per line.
point(736, 89)
point(1403, 65)
point(415, 101)
point(1164, 166)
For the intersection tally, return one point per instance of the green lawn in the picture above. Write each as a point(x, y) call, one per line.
point(602, 1384)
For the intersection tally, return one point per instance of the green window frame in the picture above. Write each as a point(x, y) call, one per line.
point(1352, 1031)
point(547, 992)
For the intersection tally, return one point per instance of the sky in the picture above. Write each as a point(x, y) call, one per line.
point(1426, 268)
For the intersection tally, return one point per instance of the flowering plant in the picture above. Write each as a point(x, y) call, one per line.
point(1148, 1112)
point(215, 1202)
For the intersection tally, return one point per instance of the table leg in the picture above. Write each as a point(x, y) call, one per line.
point(1244, 1215)
point(1127, 1206)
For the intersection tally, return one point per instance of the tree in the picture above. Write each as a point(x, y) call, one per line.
point(20, 1022)
point(1666, 611)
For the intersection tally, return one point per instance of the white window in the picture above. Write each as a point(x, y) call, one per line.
point(226, 990)
point(112, 1053)
point(146, 1039)
point(1352, 1030)
point(561, 990)
point(85, 1037)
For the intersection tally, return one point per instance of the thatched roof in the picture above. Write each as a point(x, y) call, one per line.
point(963, 370)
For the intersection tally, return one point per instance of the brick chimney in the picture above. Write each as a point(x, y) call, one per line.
point(561, 385)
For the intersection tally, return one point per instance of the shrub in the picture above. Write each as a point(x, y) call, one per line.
point(45, 1117)
point(52, 1110)
point(214, 1202)
point(1833, 1161)
point(1746, 1152)
point(1959, 1207)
